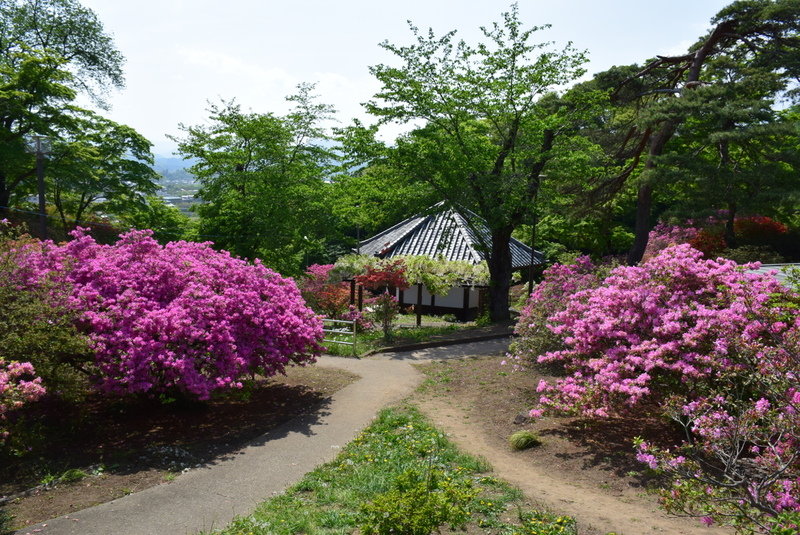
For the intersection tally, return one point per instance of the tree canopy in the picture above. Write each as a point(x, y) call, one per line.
point(263, 180)
point(491, 121)
point(50, 52)
point(710, 118)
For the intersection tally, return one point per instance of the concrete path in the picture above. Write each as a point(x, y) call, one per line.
point(208, 497)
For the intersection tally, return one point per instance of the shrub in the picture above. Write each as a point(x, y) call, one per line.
point(713, 347)
point(180, 318)
point(418, 504)
point(323, 295)
point(385, 309)
point(654, 330)
point(18, 385)
point(550, 296)
point(37, 324)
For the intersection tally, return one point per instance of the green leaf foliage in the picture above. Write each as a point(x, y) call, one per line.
point(263, 180)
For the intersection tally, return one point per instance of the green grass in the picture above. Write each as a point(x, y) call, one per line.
point(371, 340)
point(332, 499)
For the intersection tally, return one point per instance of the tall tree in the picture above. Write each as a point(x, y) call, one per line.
point(726, 86)
point(263, 180)
point(50, 50)
point(490, 126)
point(67, 30)
point(102, 167)
point(370, 193)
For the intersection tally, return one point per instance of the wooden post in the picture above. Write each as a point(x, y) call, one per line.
point(419, 304)
point(360, 299)
point(352, 292)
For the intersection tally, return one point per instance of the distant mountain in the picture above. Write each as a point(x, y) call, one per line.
point(170, 163)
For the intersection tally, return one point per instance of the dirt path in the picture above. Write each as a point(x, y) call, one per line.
point(475, 401)
point(466, 393)
point(597, 512)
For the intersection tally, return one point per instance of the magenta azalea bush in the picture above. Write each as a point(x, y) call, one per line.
point(18, 385)
point(713, 347)
point(180, 317)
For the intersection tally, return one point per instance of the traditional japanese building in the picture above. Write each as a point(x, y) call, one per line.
point(442, 232)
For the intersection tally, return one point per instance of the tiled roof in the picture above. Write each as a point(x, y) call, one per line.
point(441, 232)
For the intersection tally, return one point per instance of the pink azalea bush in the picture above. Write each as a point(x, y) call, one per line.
point(180, 317)
point(717, 350)
point(533, 336)
point(18, 385)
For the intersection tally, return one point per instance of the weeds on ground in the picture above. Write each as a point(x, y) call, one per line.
point(399, 464)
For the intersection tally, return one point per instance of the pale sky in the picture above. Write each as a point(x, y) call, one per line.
point(182, 53)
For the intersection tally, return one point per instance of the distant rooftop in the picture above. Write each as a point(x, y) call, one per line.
point(442, 232)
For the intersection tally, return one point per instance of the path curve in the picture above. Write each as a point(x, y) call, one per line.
point(210, 496)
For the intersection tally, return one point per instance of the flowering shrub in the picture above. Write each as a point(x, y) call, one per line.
point(707, 235)
point(328, 295)
point(742, 464)
point(652, 330)
point(758, 229)
point(384, 310)
point(533, 337)
point(36, 322)
point(324, 296)
point(15, 389)
point(181, 317)
point(718, 350)
point(386, 274)
point(665, 235)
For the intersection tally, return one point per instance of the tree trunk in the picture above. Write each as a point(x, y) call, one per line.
point(730, 234)
point(644, 203)
point(500, 269)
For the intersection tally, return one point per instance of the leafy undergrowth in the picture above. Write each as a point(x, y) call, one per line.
point(401, 475)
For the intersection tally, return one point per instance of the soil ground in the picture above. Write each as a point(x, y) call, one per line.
point(583, 466)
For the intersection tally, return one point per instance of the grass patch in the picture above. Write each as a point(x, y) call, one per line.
point(400, 456)
point(522, 440)
point(373, 339)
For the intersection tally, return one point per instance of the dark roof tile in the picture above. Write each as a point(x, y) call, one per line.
point(442, 232)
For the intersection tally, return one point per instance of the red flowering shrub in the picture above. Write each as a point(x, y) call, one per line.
point(331, 298)
point(710, 242)
point(758, 229)
point(387, 274)
point(708, 235)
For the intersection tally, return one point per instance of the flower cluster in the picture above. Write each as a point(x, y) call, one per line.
point(533, 337)
point(707, 235)
point(387, 274)
point(181, 316)
point(660, 328)
point(324, 295)
point(18, 385)
point(710, 345)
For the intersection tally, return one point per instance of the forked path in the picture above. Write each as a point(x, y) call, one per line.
point(208, 497)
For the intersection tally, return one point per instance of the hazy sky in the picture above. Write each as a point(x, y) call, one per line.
point(182, 53)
